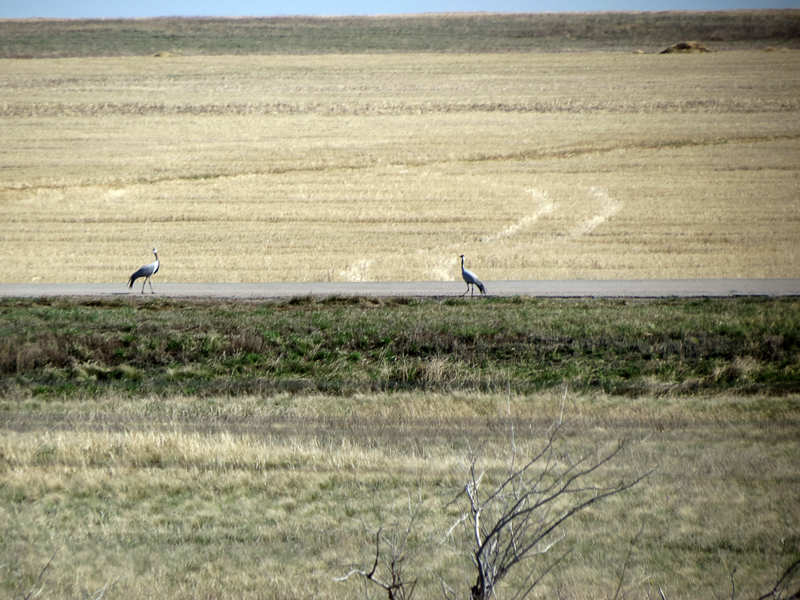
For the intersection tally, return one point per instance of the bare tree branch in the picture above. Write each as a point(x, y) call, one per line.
point(393, 560)
point(30, 595)
point(510, 520)
point(627, 560)
point(515, 521)
point(784, 582)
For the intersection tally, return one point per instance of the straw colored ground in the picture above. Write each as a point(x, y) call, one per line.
point(269, 497)
point(368, 167)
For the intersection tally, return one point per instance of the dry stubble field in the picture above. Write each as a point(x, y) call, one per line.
point(387, 167)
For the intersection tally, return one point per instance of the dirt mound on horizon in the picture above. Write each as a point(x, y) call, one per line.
point(686, 47)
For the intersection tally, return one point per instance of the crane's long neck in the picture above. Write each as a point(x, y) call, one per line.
point(462, 262)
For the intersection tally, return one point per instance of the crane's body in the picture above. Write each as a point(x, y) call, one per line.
point(471, 279)
point(146, 271)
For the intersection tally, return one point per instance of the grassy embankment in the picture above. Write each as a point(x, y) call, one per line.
point(341, 345)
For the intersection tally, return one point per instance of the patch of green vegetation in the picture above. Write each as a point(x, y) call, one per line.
point(36, 38)
point(58, 347)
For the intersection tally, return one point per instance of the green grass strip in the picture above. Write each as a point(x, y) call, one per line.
point(339, 345)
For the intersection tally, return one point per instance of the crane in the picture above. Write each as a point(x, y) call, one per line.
point(146, 271)
point(471, 279)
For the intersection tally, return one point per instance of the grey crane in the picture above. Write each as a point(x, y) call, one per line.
point(471, 279)
point(146, 271)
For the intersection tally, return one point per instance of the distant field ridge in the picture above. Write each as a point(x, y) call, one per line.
point(454, 32)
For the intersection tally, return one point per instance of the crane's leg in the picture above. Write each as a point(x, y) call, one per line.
point(465, 293)
point(151, 285)
point(143, 282)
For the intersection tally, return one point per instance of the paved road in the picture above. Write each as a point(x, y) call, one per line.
point(650, 288)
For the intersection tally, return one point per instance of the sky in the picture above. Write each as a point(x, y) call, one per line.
point(107, 9)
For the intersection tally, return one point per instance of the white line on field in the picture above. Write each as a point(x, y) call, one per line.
point(610, 207)
point(544, 206)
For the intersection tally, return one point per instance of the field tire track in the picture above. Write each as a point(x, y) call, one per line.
point(610, 207)
point(545, 206)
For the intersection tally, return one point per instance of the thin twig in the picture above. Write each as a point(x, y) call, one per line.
point(39, 578)
point(107, 586)
point(787, 575)
point(627, 560)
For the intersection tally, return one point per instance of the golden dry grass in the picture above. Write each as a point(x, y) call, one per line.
point(267, 497)
point(304, 168)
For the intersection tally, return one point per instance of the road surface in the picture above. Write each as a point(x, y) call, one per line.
point(649, 288)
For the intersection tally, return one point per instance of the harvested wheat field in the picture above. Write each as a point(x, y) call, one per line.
point(387, 167)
